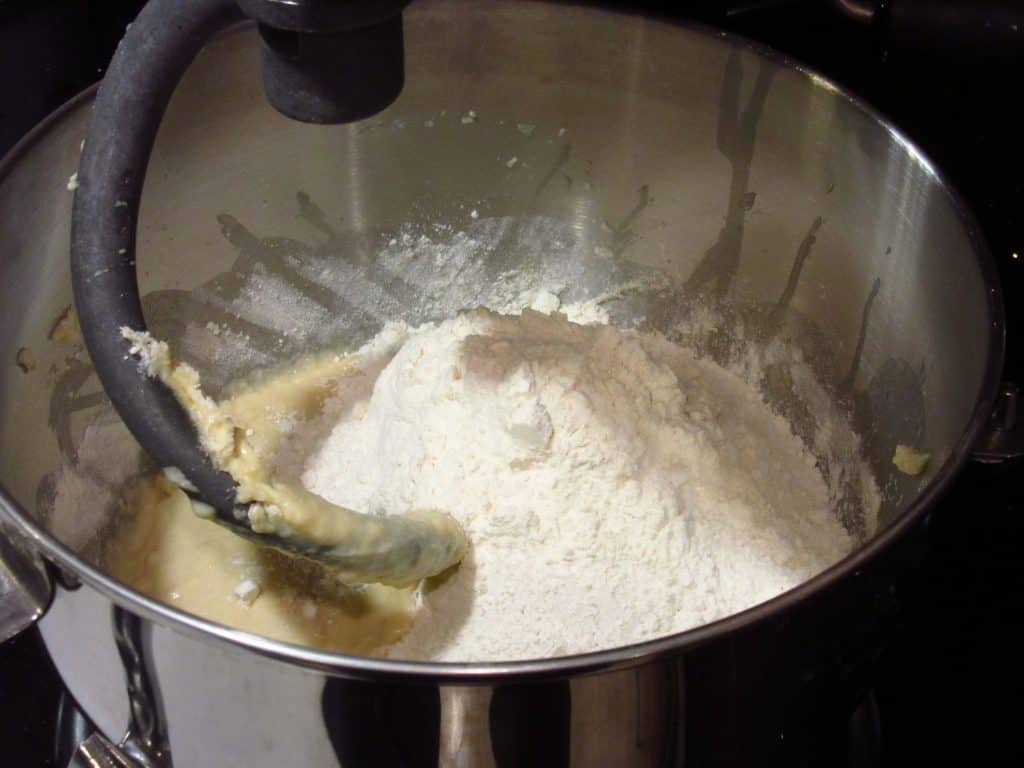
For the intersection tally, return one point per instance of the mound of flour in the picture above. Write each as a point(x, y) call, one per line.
point(614, 487)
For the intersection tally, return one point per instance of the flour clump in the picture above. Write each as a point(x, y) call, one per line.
point(614, 487)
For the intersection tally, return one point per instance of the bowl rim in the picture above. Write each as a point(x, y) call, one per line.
point(367, 668)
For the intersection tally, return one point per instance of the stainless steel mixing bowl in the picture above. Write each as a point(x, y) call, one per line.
point(600, 147)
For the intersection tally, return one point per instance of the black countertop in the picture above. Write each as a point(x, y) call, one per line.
point(946, 691)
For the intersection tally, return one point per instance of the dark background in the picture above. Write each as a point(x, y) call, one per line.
point(949, 690)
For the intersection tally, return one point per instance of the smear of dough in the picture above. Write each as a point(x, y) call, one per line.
point(25, 359)
point(65, 327)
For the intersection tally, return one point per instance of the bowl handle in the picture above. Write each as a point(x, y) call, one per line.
point(26, 588)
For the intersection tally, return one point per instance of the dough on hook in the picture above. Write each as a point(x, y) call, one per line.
point(388, 549)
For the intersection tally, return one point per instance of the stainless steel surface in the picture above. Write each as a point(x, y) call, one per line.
point(758, 193)
point(1004, 440)
point(25, 586)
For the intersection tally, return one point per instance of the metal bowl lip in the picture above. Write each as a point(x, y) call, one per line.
point(366, 668)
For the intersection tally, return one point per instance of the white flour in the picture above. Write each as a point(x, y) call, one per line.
point(614, 487)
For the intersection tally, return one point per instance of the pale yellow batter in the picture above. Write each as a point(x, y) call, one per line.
point(169, 553)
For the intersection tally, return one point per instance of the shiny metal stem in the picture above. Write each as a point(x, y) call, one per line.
point(25, 585)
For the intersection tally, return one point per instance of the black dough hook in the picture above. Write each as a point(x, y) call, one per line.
point(324, 61)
